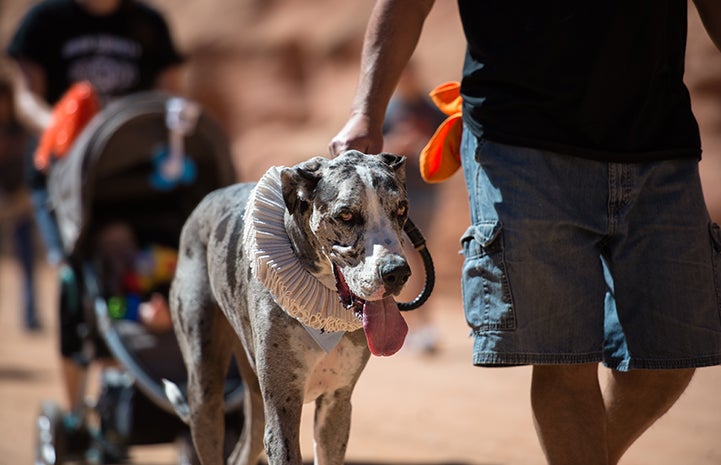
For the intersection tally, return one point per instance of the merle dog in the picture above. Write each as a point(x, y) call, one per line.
point(340, 221)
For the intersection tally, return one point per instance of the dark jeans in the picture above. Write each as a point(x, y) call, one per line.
point(24, 249)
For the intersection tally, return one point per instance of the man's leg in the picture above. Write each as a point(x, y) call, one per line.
point(569, 414)
point(576, 424)
point(635, 400)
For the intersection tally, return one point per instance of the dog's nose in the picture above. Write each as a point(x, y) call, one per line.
point(394, 274)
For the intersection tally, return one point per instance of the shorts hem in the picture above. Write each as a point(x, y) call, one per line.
point(489, 359)
point(668, 364)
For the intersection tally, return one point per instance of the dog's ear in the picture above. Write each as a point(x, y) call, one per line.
point(397, 163)
point(393, 160)
point(299, 181)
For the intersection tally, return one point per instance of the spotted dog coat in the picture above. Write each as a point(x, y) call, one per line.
point(344, 218)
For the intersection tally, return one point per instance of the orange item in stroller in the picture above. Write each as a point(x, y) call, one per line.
point(70, 115)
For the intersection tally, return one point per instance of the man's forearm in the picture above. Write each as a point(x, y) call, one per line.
point(391, 37)
point(32, 111)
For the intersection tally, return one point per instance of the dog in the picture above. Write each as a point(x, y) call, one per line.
point(340, 224)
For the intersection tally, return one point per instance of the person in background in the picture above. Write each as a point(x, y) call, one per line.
point(14, 142)
point(120, 47)
point(410, 121)
point(590, 239)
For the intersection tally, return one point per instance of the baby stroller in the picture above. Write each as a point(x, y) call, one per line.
point(147, 159)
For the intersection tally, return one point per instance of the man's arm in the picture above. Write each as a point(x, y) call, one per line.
point(28, 87)
point(710, 12)
point(391, 37)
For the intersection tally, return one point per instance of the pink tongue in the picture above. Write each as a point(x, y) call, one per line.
point(384, 326)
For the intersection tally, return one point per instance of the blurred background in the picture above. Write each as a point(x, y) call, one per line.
point(279, 75)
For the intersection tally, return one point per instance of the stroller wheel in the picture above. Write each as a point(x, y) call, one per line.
point(60, 437)
point(50, 440)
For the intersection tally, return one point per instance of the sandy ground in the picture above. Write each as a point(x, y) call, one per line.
point(408, 409)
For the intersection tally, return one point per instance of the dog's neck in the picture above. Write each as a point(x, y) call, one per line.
point(308, 250)
point(302, 284)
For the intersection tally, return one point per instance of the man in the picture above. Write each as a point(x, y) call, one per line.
point(590, 240)
point(120, 47)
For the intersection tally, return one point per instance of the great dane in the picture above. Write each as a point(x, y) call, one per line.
point(257, 263)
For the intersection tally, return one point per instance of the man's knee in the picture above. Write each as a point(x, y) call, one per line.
point(654, 382)
point(566, 375)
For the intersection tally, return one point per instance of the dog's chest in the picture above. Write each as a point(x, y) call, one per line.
point(327, 372)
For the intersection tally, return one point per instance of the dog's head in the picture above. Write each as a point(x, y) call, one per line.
point(345, 220)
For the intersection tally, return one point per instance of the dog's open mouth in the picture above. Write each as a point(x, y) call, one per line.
point(384, 327)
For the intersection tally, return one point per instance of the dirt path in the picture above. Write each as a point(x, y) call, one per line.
point(408, 409)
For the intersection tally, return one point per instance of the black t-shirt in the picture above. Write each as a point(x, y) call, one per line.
point(119, 54)
point(594, 79)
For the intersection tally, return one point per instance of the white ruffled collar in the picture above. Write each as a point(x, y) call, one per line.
point(272, 261)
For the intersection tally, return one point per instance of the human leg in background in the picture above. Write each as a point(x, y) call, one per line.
point(70, 320)
point(47, 226)
point(24, 243)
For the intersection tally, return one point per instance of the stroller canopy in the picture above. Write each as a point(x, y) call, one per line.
point(109, 172)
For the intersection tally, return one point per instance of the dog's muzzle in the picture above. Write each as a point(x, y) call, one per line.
point(384, 327)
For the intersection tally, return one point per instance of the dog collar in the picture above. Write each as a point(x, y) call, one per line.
point(299, 293)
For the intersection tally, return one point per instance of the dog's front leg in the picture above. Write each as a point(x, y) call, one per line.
point(282, 426)
point(282, 375)
point(250, 445)
point(331, 427)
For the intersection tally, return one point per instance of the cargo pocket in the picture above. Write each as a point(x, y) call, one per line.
point(715, 232)
point(487, 298)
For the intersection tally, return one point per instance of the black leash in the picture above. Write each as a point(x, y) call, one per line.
point(419, 243)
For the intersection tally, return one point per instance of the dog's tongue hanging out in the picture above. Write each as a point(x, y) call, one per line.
point(384, 326)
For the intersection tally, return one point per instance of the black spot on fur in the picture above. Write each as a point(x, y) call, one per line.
point(180, 314)
point(345, 171)
point(222, 228)
point(326, 194)
point(385, 183)
point(231, 258)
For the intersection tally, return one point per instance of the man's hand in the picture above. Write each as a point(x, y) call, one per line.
point(357, 134)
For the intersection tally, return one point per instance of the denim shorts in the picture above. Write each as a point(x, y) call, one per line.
point(569, 260)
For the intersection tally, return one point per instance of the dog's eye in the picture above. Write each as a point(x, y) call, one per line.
point(346, 216)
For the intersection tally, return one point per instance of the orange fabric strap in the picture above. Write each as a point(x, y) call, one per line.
point(441, 156)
